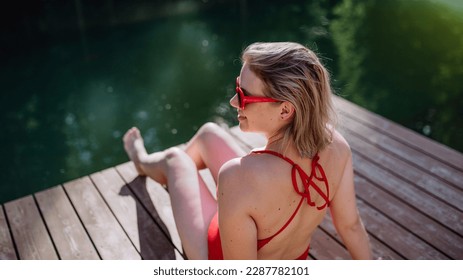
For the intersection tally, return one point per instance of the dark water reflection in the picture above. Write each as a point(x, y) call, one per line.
point(404, 60)
point(68, 96)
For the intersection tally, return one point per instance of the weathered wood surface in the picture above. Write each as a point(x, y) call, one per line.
point(409, 191)
point(28, 228)
point(70, 239)
point(7, 251)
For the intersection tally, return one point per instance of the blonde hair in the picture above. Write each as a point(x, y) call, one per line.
point(291, 72)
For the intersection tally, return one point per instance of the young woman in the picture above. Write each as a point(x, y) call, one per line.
point(270, 201)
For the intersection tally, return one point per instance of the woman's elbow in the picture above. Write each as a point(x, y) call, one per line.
point(356, 239)
point(354, 225)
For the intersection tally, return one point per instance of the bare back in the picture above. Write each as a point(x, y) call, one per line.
point(273, 199)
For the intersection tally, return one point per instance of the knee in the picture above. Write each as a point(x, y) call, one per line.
point(177, 157)
point(209, 130)
point(209, 127)
point(173, 153)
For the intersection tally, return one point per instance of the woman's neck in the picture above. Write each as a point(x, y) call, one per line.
point(276, 143)
point(273, 140)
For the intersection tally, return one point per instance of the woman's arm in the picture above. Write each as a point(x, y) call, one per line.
point(346, 217)
point(238, 231)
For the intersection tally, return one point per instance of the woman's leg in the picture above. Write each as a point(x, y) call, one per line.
point(192, 204)
point(211, 147)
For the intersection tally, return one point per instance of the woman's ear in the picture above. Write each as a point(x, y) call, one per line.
point(287, 111)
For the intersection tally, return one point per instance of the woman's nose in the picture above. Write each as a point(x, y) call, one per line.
point(234, 101)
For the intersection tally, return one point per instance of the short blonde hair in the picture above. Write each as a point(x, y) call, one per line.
point(291, 72)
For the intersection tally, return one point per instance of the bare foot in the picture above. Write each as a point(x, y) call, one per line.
point(135, 148)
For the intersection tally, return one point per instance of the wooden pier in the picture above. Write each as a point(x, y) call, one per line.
point(409, 190)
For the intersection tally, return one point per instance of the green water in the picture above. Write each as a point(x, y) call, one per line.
point(69, 93)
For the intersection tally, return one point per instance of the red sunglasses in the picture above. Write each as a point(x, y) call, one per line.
point(245, 99)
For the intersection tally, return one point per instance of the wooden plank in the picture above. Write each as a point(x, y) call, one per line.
point(29, 232)
point(379, 249)
point(413, 157)
point(407, 172)
point(400, 133)
point(66, 230)
point(438, 210)
point(110, 240)
point(147, 237)
point(155, 200)
point(398, 238)
point(7, 251)
point(446, 241)
point(324, 247)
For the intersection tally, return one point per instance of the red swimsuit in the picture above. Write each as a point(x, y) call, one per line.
point(214, 243)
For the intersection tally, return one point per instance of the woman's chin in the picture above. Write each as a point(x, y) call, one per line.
point(243, 127)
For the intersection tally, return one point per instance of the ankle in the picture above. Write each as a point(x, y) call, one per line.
point(143, 158)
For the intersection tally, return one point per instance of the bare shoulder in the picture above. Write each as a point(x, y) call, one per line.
point(335, 158)
point(234, 169)
point(235, 179)
point(244, 168)
point(230, 173)
point(249, 175)
point(339, 148)
point(340, 142)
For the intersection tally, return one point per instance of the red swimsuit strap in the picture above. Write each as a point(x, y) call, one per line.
point(307, 182)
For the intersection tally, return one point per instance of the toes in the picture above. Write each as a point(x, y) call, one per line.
point(137, 133)
point(132, 133)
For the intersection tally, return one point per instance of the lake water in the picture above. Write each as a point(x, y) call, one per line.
point(76, 77)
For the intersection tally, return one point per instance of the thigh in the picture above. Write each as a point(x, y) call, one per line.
point(213, 146)
point(192, 204)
